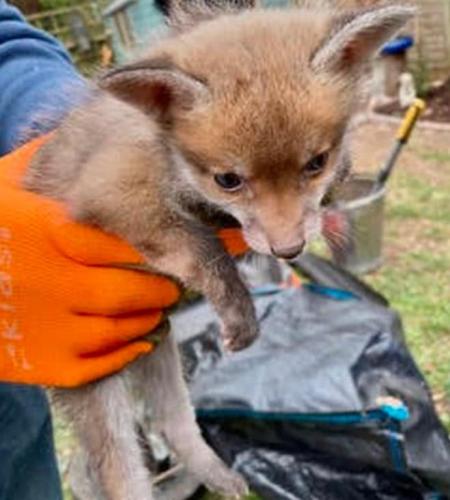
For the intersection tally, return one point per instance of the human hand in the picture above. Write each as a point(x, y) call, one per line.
point(67, 316)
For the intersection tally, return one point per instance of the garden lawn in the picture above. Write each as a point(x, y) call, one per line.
point(415, 276)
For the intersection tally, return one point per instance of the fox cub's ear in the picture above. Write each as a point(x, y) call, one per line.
point(155, 86)
point(357, 35)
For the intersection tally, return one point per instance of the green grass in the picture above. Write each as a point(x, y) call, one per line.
point(436, 156)
point(415, 276)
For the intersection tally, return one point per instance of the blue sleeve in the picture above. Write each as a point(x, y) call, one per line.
point(38, 82)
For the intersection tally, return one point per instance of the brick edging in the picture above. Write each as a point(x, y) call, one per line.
point(381, 118)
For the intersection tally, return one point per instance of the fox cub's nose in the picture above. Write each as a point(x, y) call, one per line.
point(289, 252)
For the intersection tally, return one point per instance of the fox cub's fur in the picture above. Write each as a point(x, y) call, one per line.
point(238, 111)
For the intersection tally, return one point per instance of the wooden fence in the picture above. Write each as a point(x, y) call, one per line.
point(81, 29)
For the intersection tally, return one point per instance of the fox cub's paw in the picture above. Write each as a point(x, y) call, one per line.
point(217, 477)
point(238, 336)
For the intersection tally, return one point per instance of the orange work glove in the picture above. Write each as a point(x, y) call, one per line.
point(65, 318)
point(233, 241)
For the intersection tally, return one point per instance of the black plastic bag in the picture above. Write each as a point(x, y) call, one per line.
point(327, 404)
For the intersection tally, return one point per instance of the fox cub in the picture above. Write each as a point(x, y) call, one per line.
point(237, 111)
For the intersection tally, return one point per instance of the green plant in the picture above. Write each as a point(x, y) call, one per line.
point(421, 75)
point(56, 4)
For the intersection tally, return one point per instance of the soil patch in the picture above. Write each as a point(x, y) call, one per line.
point(438, 105)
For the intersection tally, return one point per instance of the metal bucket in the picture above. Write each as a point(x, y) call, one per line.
point(362, 250)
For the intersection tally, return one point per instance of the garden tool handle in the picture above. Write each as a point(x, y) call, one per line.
point(407, 125)
point(403, 134)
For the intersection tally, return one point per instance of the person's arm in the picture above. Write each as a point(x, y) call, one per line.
point(38, 82)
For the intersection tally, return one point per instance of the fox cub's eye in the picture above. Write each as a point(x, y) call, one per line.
point(229, 181)
point(316, 165)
